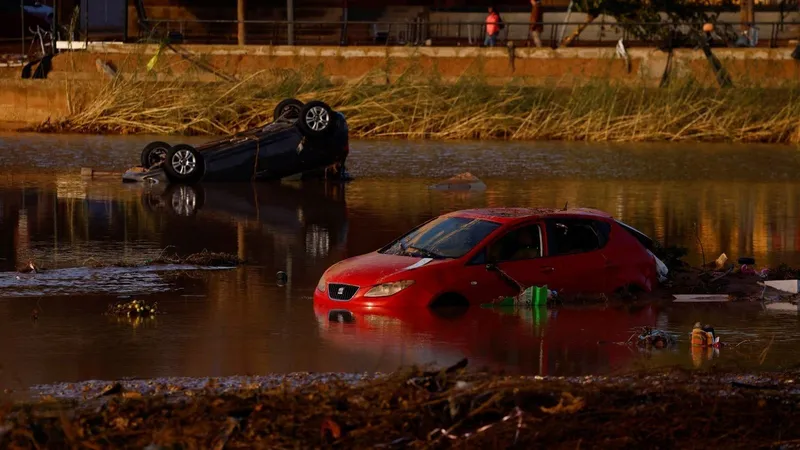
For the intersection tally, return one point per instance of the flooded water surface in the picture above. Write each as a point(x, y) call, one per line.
point(742, 200)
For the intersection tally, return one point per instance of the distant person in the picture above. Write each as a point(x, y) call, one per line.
point(493, 23)
point(701, 337)
point(537, 17)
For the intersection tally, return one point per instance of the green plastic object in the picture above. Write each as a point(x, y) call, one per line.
point(535, 295)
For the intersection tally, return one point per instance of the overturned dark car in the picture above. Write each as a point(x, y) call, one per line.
point(304, 140)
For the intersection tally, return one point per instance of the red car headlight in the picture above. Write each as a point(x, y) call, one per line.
point(321, 284)
point(388, 289)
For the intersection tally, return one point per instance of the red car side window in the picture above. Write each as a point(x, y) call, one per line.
point(517, 245)
point(572, 236)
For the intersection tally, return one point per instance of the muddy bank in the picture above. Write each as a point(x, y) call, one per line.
point(436, 409)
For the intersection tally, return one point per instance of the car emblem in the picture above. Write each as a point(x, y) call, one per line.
point(341, 291)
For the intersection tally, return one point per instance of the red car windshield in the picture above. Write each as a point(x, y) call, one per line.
point(444, 237)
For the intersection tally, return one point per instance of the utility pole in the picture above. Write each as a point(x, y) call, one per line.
point(22, 24)
point(240, 4)
point(290, 18)
point(747, 14)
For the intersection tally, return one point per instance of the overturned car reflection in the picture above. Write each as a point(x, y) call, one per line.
point(308, 215)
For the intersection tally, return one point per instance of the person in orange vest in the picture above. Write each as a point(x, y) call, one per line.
point(702, 343)
point(701, 337)
point(493, 23)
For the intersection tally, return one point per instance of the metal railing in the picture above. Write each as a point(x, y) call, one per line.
point(419, 32)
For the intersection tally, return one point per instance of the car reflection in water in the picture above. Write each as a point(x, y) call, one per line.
point(539, 341)
point(311, 214)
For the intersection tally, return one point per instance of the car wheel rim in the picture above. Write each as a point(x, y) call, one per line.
point(184, 201)
point(317, 118)
point(184, 162)
point(156, 156)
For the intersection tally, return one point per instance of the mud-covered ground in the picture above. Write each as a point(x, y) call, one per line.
point(414, 409)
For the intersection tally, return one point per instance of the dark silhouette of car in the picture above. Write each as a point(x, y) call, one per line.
point(304, 139)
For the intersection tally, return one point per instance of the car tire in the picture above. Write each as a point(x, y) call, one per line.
point(184, 164)
point(153, 152)
point(288, 109)
point(317, 119)
point(183, 200)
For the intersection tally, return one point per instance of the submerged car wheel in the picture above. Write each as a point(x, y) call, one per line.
point(317, 119)
point(184, 164)
point(184, 200)
point(154, 153)
point(288, 109)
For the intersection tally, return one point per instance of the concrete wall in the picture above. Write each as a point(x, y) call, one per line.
point(528, 65)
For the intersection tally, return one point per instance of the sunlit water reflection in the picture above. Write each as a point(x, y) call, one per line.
point(740, 200)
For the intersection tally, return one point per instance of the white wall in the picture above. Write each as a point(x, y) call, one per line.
point(517, 25)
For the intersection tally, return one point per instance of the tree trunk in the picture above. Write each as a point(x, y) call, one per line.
point(568, 40)
point(747, 14)
point(240, 18)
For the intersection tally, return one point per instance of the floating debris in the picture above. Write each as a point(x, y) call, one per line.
point(462, 182)
point(650, 337)
point(204, 258)
point(133, 308)
point(31, 267)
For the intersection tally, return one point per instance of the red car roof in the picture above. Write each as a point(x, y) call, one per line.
point(509, 215)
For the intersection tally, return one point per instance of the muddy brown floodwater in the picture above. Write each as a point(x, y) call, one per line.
point(743, 200)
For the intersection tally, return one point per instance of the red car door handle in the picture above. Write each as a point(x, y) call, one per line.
point(548, 269)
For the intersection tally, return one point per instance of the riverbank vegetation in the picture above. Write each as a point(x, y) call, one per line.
point(469, 108)
point(418, 409)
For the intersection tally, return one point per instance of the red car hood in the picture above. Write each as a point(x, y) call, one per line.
point(374, 268)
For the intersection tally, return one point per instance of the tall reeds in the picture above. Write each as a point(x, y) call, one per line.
point(468, 108)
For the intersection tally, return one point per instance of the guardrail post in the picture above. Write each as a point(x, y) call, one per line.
point(22, 22)
point(290, 18)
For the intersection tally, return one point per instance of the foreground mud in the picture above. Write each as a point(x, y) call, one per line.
point(415, 409)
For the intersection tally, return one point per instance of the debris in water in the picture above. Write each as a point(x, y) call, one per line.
point(788, 286)
point(650, 337)
point(283, 278)
point(463, 182)
point(688, 298)
point(30, 268)
point(204, 258)
point(133, 308)
point(720, 262)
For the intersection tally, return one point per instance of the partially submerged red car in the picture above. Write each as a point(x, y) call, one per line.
point(477, 256)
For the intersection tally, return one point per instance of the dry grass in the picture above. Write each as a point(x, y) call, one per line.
point(414, 108)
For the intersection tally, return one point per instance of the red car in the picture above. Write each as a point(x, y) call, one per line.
point(476, 256)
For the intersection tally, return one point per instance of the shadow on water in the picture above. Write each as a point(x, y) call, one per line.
point(241, 321)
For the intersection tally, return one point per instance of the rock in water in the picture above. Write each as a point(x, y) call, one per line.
point(463, 182)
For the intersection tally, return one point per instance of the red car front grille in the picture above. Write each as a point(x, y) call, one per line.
point(341, 292)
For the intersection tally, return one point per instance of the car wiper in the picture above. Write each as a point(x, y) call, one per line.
point(424, 252)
